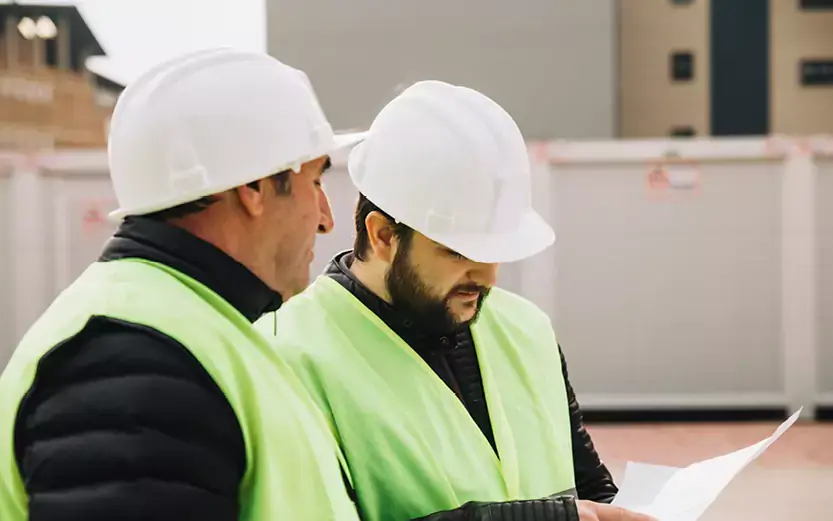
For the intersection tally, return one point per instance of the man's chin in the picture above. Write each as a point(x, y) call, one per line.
point(296, 288)
point(466, 315)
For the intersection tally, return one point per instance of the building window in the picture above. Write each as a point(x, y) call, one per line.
point(682, 66)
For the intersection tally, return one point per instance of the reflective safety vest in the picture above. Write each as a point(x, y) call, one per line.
point(292, 468)
point(411, 447)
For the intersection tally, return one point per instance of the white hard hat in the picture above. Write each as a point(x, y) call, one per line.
point(210, 121)
point(452, 164)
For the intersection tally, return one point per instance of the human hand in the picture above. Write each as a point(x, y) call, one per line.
point(592, 511)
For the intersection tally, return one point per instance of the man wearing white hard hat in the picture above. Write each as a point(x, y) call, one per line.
point(144, 392)
point(447, 394)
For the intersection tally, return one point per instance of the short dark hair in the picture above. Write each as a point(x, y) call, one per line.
point(361, 245)
point(282, 186)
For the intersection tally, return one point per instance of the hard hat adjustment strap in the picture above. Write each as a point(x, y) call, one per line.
point(192, 179)
point(437, 223)
point(185, 172)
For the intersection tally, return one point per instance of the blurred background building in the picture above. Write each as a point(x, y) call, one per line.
point(575, 70)
point(48, 97)
point(564, 69)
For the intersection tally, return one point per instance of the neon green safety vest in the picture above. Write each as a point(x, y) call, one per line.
point(411, 446)
point(292, 468)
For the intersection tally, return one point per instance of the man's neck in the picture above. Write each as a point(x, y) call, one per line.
point(372, 277)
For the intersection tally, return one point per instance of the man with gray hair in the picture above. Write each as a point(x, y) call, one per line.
point(144, 392)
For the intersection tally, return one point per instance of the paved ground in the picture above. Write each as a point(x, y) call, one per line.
point(792, 481)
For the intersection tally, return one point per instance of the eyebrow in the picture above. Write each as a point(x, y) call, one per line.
point(327, 165)
point(448, 250)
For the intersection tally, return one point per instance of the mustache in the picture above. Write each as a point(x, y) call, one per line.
point(469, 288)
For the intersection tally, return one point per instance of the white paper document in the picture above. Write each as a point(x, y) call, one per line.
point(683, 494)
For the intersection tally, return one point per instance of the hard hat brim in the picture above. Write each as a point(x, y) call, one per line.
point(349, 139)
point(532, 236)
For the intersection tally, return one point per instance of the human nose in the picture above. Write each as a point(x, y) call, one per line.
point(326, 222)
point(485, 274)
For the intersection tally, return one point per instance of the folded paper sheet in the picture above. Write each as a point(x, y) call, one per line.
point(683, 494)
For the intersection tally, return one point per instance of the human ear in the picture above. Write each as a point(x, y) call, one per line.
point(251, 198)
point(380, 236)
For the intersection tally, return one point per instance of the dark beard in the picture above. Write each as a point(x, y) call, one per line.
point(409, 295)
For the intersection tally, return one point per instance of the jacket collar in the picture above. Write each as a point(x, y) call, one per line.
point(172, 246)
point(414, 333)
